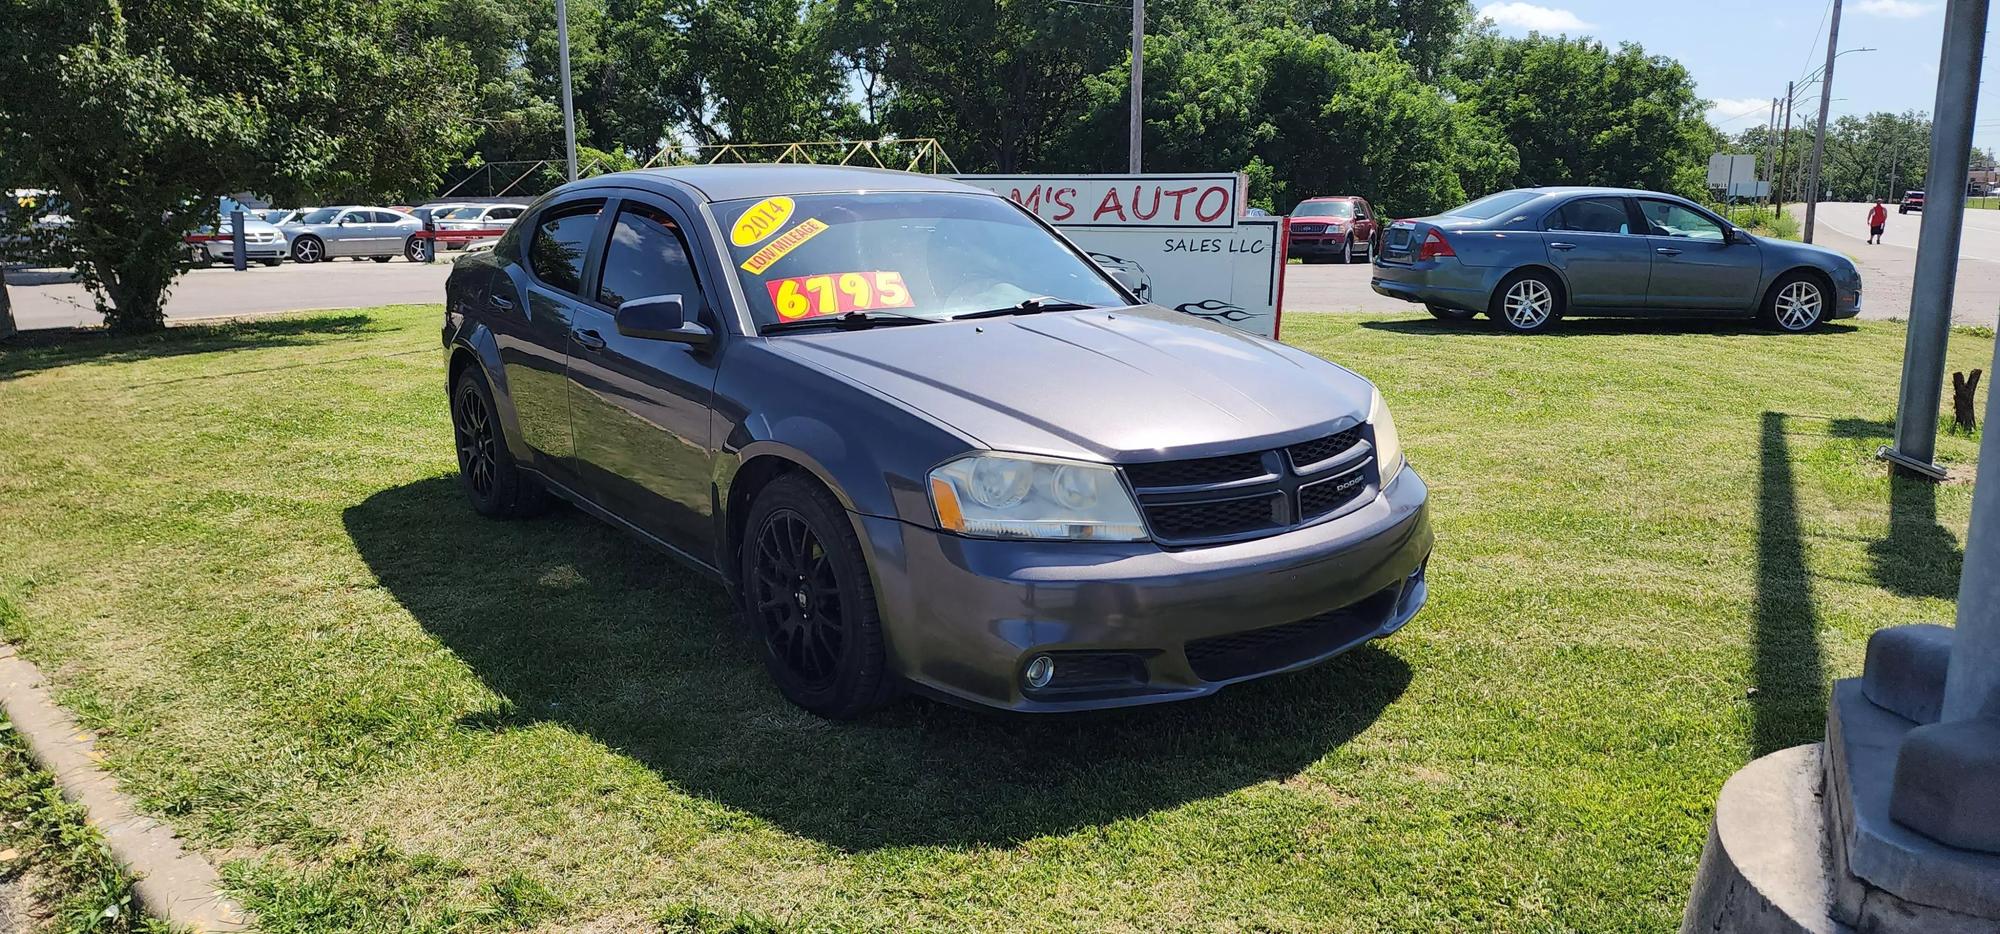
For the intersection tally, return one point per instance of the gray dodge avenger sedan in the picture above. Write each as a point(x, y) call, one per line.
point(926, 442)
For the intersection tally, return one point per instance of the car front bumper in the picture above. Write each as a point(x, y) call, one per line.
point(1304, 245)
point(1131, 623)
point(224, 249)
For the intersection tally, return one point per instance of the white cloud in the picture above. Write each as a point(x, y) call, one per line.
point(1896, 9)
point(1534, 18)
point(1737, 111)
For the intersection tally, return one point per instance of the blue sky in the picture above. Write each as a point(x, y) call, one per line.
point(1741, 52)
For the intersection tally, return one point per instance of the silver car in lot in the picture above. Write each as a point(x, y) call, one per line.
point(380, 234)
point(262, 243)
point(477, 217)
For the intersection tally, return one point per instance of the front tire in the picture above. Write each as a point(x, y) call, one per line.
point(494, 483)
point(1527, 303)
point(308, 250)
point(1797, 303)
point(807, 596)
point(417, 250)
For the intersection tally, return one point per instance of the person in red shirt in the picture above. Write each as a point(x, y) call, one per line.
point(1877, 217)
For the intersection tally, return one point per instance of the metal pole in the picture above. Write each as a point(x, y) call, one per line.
point(1138, 79)
point(1770, 147)
point(1937, 245)
point(1973, 673)
point(1784, 150)
point(236, 238)
point(569, 108)
point(1819, 136)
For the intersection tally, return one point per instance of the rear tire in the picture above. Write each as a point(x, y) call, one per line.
point(381, 259)
point(1798, 302)
point(1447, 313)
point(493, 481)
point(1526, 303)
point(807, 596)
point(417, 250)
point(271, 262)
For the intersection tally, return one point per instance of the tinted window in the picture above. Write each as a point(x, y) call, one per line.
point(646, 257)
point(562, 237)
point(385, 217)
point(511, 213)
point(1672, 220)
point(326, 215)
point(1493, 205)
point(1361, 209)
point(1592, 215)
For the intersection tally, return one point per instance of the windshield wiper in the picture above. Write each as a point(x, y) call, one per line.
point(1027, 307)
point(849, 321)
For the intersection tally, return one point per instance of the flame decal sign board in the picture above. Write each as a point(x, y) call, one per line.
point(1182, 238)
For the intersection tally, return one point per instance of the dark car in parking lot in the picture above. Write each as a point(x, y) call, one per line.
point(1340, 228)
point(925, 441)
point(1528, 257)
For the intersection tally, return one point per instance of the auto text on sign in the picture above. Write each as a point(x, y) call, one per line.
point(1122, 201)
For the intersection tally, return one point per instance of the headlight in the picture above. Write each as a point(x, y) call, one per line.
point(1021, 496)
point(1388, 447)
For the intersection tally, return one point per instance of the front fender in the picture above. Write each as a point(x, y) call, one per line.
point(474, 340)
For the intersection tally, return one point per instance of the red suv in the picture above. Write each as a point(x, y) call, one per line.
point(1342, 227)
point(1912, 201)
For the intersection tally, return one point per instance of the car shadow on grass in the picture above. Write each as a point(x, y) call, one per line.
point(35, 351)
point(1597, 327)
point(572, 622)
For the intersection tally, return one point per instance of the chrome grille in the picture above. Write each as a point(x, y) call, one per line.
point(1249, 495)
point(1309, 228)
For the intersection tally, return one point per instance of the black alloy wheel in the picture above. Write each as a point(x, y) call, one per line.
point(797, 599)
point(495, 484)
point(807, 595)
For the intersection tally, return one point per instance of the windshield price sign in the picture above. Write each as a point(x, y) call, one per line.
point(837, 293)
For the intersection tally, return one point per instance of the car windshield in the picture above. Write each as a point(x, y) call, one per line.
point(1324, 209)
point(319, 216)
point(1493, 205)
point(931, 255)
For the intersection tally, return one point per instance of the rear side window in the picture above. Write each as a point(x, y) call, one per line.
point(1592, 215)
point(384, 217)
point(646, 257)
point(562, 238)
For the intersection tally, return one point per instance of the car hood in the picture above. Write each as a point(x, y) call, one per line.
point(1137, 384)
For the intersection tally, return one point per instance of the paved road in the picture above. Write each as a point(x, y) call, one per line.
point(1888, 268)
point(47, 298)
point(1334, 287)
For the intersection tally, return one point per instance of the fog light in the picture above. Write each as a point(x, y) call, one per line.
point(1041, 670)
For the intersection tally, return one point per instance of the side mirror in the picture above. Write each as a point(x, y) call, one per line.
point(660, 318)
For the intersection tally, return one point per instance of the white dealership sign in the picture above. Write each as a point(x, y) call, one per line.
point(1182, 239)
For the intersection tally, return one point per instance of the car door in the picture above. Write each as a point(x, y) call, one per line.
point(535, 341)
point(1593, 242)
point(1364, 221)
point(639, 407)
point(349, 234)
point(1696, 265)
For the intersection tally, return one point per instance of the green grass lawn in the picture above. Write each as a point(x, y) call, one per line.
point(240, 554)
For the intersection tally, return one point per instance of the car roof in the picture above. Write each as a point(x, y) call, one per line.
point(1599, 190)
point(1331, 198)
point(758, 180)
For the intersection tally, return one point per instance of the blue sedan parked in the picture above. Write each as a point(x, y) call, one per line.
point(1530, 256)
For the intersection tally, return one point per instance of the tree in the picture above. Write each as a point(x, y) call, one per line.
point(1580, 114)
point(142, 115)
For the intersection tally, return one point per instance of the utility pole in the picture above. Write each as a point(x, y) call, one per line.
point(1937, 263)
point(1784, 150)
point(1819, 136)
point(1771, 144)
point(569, 108)
point(1138, 79)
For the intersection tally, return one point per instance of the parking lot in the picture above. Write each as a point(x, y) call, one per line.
point(50, 298)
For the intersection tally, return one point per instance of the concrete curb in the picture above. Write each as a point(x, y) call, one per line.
point(169, 881)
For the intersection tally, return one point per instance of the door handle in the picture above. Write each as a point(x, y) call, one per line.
point(501, 302)
point(591, 340)
point(1562, 246)
point(1667, 251)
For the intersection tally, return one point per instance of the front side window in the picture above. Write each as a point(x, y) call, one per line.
point(932, 255)
point(646, 258)
point(1668, 219)
point(562, 237)
point(1592, 215)
point(319, 216)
